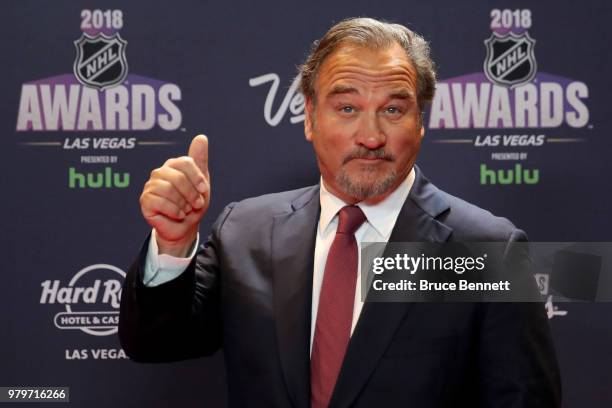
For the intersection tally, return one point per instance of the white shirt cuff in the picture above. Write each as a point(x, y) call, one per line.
point(161, 268)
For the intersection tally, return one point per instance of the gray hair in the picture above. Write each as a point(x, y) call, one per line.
point(373, 34)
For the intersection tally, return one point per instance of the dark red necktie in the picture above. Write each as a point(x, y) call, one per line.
point(335, 312)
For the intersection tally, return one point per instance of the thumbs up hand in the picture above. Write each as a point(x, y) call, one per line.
point(176, 197)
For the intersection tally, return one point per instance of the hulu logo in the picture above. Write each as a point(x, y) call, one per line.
point(105, 179)
point(518, 175)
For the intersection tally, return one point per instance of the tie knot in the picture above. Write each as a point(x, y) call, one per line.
point(351, 217)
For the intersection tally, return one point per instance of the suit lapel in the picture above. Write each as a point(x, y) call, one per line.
point(379, 321)
point(293, 243)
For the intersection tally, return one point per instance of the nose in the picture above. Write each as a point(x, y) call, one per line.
point(370, 134)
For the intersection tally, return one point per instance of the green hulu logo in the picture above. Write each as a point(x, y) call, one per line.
point(518, 175)
point(105, 179)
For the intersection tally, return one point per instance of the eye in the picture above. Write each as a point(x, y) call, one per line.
point(347, 109)
point(392, 110)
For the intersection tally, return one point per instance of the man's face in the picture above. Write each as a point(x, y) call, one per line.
point(365, 123)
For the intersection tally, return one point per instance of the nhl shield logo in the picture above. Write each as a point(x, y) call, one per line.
point(100, 61)
point(510, 59)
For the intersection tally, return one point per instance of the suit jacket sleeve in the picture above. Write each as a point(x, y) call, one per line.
point(517, 359)
point(179, 319)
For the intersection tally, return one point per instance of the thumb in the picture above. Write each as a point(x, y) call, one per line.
point(198, 151)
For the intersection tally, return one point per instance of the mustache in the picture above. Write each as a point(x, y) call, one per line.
point(364, 153)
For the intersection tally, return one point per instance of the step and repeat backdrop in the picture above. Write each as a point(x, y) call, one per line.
point(96, 94)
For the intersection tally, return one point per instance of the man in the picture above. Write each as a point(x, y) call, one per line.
point(275, 283)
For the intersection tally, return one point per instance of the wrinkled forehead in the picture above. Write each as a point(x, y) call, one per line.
point(359, 66)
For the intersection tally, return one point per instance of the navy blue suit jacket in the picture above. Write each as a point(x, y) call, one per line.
point(249, 291)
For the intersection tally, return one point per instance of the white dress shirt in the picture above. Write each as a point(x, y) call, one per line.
point(381, 217)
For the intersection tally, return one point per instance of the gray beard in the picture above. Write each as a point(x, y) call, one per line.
point(364, 188)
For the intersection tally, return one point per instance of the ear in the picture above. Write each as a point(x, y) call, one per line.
point(422, 131)
point(308, 125)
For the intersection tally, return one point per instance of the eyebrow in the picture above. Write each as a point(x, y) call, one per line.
point(346, 89)
point(342, 90)
point(401, 94)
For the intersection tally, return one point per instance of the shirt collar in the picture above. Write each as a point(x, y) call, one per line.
point(381, 216)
